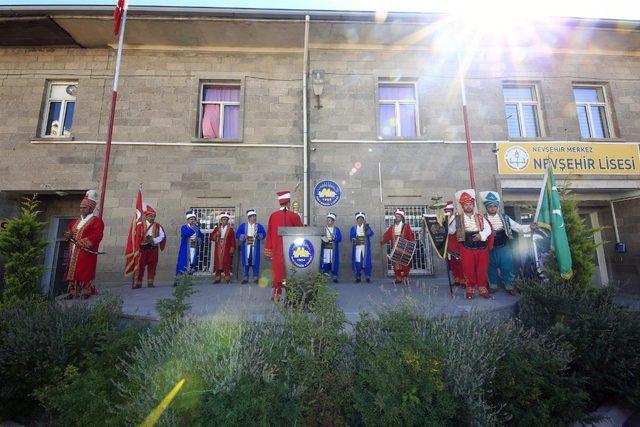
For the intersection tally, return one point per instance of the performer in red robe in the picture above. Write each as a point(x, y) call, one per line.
point(154, 240)
point(398, 229)
point(84, 235)
point(273, 247)
point(475, 239)
point(225, 244)
point(453, 250)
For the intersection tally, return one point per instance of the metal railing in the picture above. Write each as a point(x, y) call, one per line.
point(208, 218)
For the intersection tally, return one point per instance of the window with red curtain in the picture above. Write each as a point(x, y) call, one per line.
point(220, 112)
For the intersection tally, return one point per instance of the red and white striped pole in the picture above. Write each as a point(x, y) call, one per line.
point(120, 16)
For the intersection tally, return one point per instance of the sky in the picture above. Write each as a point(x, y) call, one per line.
point(609, 9)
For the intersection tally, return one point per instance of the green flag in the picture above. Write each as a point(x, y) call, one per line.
point(549, 216)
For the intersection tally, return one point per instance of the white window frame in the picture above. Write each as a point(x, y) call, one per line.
point(222, 107)
point(520, 104)
point(396, 103)
point(63, 109)
point(588, 105)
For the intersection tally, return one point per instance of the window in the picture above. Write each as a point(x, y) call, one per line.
point(220, 111)
point(397, 110)
point(591, 104)
point(522, 111)
point(59, 109)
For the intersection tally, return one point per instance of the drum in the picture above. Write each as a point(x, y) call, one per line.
point(250, 240)
point(360, 240)
point(402, 251)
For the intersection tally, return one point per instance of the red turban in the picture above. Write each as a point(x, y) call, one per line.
point(466, 197)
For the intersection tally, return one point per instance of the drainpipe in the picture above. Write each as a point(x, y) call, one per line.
point(305, 126)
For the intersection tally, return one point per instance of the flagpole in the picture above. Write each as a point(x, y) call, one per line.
point(465, 117)
point(112, 112)
point(542, 190)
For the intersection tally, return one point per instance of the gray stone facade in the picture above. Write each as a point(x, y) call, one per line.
point(157, 120)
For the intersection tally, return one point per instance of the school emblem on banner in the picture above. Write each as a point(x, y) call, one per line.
point(301, 253)
point(327, 193)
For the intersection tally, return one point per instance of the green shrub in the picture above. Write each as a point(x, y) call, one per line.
point(175, 308)
point(289, 369)
point(87, 393)
point(205, 353)
point(38, 340)
point(400, 373)
point(581, 243)
point(604, 337)
point(473, 346)
point(22, 245)
point(532, 385)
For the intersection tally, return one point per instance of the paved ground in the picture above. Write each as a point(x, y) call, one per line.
point(429, 295)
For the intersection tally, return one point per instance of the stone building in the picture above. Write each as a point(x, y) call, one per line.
point(211, 116)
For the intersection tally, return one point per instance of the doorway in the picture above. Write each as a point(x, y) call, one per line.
point(56, 257)
point(601, 275)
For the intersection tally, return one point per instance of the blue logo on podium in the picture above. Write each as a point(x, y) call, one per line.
point(301, 253)
point(327, 193)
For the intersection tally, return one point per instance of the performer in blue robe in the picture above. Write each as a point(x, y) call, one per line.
point(249, 235)
point(330, 259)
point(191, 237)
point(360, 236)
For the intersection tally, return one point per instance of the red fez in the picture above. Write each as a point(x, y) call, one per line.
point(284, 197)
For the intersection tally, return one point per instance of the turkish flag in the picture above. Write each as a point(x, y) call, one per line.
point(117, 16)
point(136, 230)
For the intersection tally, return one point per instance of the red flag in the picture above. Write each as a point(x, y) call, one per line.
point(117, 16)
point(136, 230)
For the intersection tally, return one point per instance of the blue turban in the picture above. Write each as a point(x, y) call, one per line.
point(492, 199)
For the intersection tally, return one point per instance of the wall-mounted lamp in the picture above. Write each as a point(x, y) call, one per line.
point(317, 83)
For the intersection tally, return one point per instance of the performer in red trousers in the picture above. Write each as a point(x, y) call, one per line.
point(399, 228)
point(453, 249)
point(154, 240)
point(273, 246)
point(84, 236)
point(474, 235)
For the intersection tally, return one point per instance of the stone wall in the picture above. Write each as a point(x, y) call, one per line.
point(158, 104)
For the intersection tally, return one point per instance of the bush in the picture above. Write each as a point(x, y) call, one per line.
point(86, 394)
point(582, 244)
point(604, 337)
point(533, 386)
point(22, 245)
point(39, 340)
point(176, 308)
point(289, 369)
point(400, 373)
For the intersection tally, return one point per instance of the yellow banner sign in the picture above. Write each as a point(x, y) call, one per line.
point(568, 158)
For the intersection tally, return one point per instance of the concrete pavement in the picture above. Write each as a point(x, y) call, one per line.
point(428, 295)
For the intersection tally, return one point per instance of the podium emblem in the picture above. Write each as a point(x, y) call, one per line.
point(301, 253)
